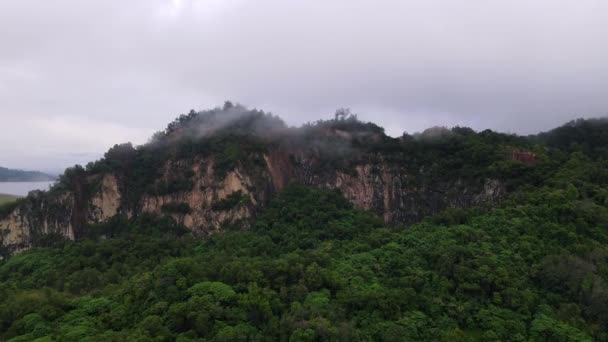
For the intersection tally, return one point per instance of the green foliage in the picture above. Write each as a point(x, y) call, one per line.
point(314, 268)
point(232, 200)
point(232, 150)
point(441, 154)
point(8, 206)
point(229, 158)
point(176, 208)
point(589, 136)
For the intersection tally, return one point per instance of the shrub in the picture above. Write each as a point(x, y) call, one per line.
point(231, 201)
point(176, 208)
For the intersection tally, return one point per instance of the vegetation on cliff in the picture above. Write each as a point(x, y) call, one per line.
point(233, 136)
point(311, 267)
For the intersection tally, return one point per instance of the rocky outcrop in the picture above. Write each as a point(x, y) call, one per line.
point(206, 190)
point(37, 217)
point(371, 183)
point(105, 202)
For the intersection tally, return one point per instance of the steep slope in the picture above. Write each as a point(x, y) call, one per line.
point(213, 169)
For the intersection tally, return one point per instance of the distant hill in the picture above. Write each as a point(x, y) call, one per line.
point(10, 175)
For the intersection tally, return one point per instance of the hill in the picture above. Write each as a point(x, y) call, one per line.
point(10, 175)
point(219, 167)
point(229, 225)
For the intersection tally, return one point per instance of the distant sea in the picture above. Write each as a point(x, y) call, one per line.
point(22, 188)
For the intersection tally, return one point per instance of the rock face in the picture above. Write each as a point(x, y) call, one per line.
point(207, 189)
point(37, 217)
point(105, 202)
point(214, 199)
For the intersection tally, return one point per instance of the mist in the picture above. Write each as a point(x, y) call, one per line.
point(78, 77)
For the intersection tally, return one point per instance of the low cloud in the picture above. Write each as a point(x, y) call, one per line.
point(121, 70)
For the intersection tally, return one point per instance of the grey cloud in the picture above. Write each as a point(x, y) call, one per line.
point(119, 70)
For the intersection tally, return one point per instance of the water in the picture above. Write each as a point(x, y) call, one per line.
point(22, 188)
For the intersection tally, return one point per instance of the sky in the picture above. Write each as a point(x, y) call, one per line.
point(77, 76)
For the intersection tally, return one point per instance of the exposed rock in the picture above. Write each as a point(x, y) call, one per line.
point(206, 189)
point(526, 157)
point(105, 202)
point(40, 214)
point(383, 187)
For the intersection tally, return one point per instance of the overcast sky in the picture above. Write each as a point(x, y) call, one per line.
point(78, 76)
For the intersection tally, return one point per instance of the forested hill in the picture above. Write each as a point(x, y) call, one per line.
point(231, 226)
point(220, 167)
point(10, 175)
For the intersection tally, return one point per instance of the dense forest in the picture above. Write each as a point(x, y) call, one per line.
point(10, 175)
point(311, 267)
